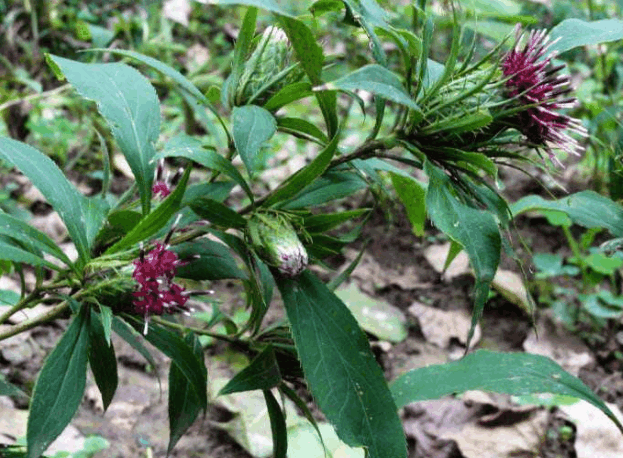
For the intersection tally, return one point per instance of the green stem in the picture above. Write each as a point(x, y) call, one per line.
point(36, 321)
point(183, 328)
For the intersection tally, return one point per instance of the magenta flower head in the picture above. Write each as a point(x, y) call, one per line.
point(535, 83)
point(157, 293)
point(164, 184)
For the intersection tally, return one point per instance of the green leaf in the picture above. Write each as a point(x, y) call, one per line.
point(343, 375)
point(15, 254)
point(475, 230)
point(253, 126)
point(368, 10)
point(287, 94)
point(510, 373)
point(184, 404)
point(327, 221)
point(28, 235)
point(311, 57)
point(375, 79)
point(303, 129)
point(586, 208)
point(261, 374)
point(191, 148)
point(207, 260)
point(8, 389)
point(59, 387)
point(277, 426)
point(156, 220)
point(217, 213)
point(58, 191)
point(129, 103)
point(412, 194)
point(102, 360)
point(331, 186)
point(572, 33)
point(127, 333)
point(182, 355)
point(304, 176)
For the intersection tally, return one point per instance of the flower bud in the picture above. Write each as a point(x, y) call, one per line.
point(275, 241)
point(267, 70)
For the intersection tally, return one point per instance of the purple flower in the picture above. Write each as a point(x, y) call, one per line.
point(535, 84)
point(163, 184)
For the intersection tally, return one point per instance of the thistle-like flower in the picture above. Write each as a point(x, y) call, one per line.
point(535, 83)
point(157, 293)
point(274, 239)
point(163, 184)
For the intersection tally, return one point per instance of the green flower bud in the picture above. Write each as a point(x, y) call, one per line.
point(267, 70)
point(275, 241)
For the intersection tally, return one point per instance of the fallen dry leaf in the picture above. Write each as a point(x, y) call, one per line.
point(511, 286)
point(436, 256)
point(440, 326)
point(597, 436)
point(557, 343)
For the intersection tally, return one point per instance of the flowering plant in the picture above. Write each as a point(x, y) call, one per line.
point(138, 254)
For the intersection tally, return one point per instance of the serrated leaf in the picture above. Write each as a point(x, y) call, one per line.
point(25, 233)
point(303, 177)
point(102, 360)
point(184, 404)
point(375, 79)
point(509, 373)
point(207, 260)
point(311, 57)
point(191, 148)
point(59, 387)
point(586, 208)
point(475, 230)
point(261, 374)
point(129, 103)
point(181, 354)
point(253, 126)
point(573, 32)
point(277, 425)
point(217, 213)
point(58, 191)
point(156, 220)
point(347, 383)
point(412, 194)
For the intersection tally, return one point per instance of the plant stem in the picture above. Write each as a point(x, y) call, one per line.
point(183, 328)
point(36, 321)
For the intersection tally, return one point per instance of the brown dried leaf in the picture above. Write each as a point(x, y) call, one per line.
point(440, 326)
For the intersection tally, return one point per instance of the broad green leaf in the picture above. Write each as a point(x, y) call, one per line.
point(326, 221)
point(330, 186)
point(304, 176)
point(573, 32)
point(59, 387)
point(475, 230)
point(15, 254)
point(95, 210)
point(369, 11)
point(586, 208)
point(253, 126)
point(501, 8)
point(156, 220)
point(58, 191)
point(191, 148)
point(277, 425)
point(347, 383)
point(8, 297)
point(129, 103)
point(509, 373)
point(25, 233)
point(261, 374)
point(303, 129)
point(102, 360)
point(207, 260)
point(216, 191)
point(412, 194)
point(375, 79)
point(309, 53)
point(132, 337)
point(184, 404)
point(166, 70)
point(182, 355)
point(287, 94)
point(375, 316)
point(217, 213)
